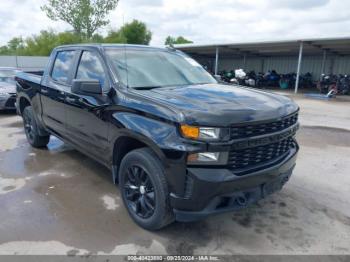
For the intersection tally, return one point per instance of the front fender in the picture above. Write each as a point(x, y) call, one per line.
point(163, 138)
point(153, 132)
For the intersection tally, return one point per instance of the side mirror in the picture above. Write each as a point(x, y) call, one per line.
point(218, 78)
point(86, 87)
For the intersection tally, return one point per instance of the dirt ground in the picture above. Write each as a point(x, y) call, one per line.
point(58, 201)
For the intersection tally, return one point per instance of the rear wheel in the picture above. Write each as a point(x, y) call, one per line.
point(144, 189)
point(31, 129)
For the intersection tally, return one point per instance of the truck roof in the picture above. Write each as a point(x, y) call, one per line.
point(99, 45)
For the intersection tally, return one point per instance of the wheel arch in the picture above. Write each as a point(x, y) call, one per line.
point(125, 143)
point(23, 103)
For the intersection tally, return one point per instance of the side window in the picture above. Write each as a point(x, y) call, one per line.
point(90, 67)
point(62, 66)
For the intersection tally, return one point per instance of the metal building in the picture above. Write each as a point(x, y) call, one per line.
point(317, 56)
point(26, 63)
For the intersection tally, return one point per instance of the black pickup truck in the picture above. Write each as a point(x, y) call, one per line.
point(180, 145)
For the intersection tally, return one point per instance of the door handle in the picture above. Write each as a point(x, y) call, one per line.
point(70, 100)
point(44, 91)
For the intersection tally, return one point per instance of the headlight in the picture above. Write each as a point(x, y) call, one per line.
point(200, 133)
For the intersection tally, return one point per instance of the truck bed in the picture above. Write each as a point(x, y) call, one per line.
point(33, 77)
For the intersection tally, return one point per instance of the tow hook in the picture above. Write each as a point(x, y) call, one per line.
point(284, 180)
point(241, 200)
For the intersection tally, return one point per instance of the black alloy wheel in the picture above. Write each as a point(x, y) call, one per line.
point(28, 127)
point(139, 192)
point(31, 129)
point(144, 189)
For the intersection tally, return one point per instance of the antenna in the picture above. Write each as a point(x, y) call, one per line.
point(171, 47)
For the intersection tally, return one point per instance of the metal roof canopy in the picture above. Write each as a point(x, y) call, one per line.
point(327, 46)
point(336, 46)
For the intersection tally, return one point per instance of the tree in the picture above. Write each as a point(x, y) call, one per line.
point(14, 47)
point(115, 37)
point(179, 40)
point(16, 44)
point(85, 16)
point(43, 43)
point(135, 32)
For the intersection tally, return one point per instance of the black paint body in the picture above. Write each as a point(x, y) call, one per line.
point(103, 126)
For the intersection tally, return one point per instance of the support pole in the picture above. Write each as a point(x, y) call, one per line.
point(16, 59)
point(332, 65)
point(299, 66)
point(216, 61)
point(244, 61)
point(323, 62)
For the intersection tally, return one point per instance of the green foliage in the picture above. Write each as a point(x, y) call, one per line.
point(115, 37)
point(135, 32)
point(13, 47)
point(179, 40)
point(85, 16)
point(42, 44)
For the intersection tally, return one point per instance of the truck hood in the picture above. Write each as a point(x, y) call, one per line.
point(7, 88)
point(222, 105)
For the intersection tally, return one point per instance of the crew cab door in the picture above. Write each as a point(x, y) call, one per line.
point(86, 123)
point(53, 90)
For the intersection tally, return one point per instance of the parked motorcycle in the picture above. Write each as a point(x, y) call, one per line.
point(327, 83)
point(250, 79)
point(226, 76)
point(287, 81)
point(272, 78)
point(260, 80)
point(240, 77)
point(343, 85)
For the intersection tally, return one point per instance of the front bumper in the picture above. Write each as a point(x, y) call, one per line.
point(211, 191)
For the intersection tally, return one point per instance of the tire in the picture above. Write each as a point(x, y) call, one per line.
point(31, 129)
point(144, 163)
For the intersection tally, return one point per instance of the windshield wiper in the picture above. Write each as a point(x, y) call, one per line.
point(146, 87)
point(178, 85)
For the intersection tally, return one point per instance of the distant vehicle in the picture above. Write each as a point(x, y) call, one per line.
point(7, 88)
point(180, 144)
point(7, 74)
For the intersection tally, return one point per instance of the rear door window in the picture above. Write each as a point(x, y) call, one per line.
point(63, 66)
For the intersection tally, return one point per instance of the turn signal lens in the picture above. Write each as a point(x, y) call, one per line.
point(190, 131)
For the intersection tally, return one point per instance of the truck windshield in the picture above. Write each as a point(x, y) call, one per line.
point(146, 69)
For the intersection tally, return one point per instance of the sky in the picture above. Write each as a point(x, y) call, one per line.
point(202, 21)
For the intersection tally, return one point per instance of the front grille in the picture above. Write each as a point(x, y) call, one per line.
point(10, 103)
point(250, 158)
point(250, 130)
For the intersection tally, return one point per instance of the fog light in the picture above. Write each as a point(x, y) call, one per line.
point(208, 158)
point(204, 157)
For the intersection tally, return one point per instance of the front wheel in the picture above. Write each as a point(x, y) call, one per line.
point(31, 129)
point(144, 189)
